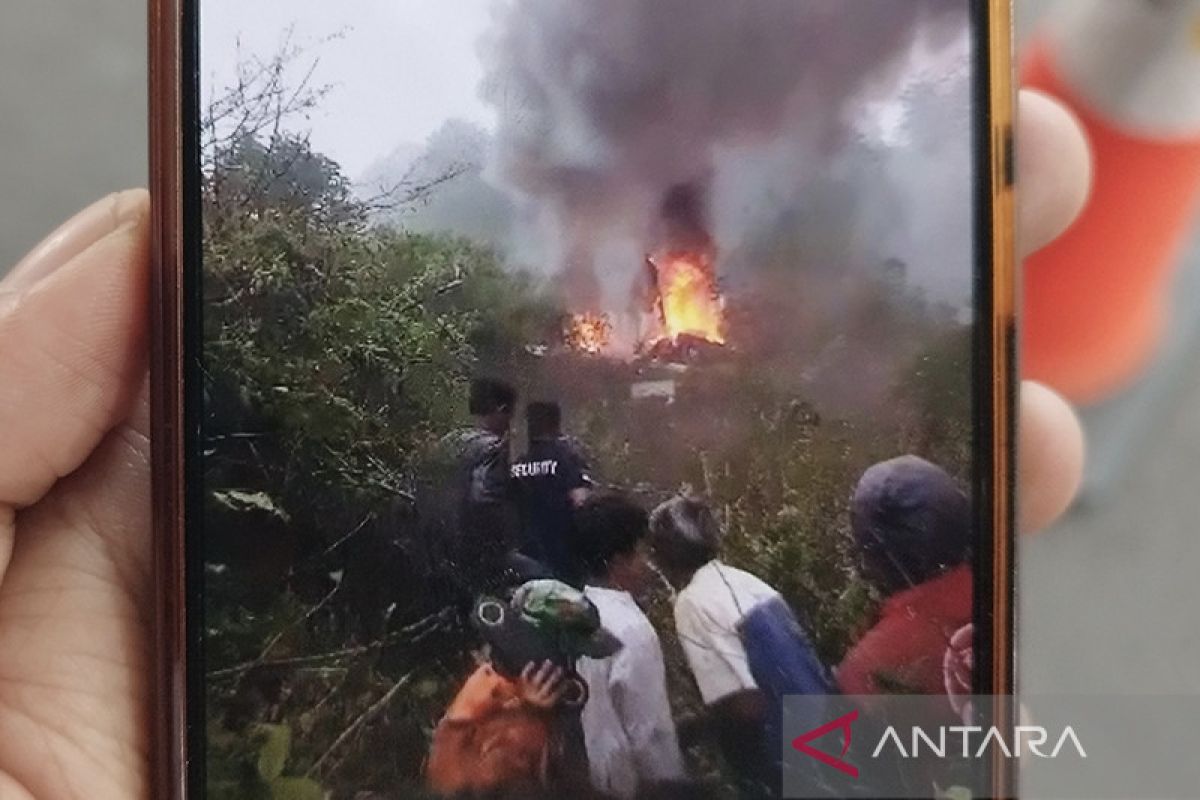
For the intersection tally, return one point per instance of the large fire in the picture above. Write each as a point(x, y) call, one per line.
point(588, 332)
point(683, 309)
point(687, 301)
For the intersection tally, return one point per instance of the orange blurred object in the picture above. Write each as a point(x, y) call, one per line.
point(1097, 301)
point(489, 741)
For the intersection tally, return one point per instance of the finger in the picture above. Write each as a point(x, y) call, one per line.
point(1054, 171)
point(72, 350)
point(1051, 457)
point(528, 672)
point(74, 236)
point(1055, 174)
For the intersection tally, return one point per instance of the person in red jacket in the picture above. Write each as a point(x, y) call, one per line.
point(912, 526)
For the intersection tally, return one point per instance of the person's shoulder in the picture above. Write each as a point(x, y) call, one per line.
point(619, 613)
point(450, 443)
point(721, 594)
point(485, 442)
point(469, 438)
point(744, 582)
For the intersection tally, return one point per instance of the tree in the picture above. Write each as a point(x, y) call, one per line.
point(335, 353)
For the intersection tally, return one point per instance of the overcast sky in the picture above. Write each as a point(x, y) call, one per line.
point(380, 64)
point(381, 67)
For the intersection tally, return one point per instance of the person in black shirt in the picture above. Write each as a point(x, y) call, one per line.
point(551, 480)
point(469, 499)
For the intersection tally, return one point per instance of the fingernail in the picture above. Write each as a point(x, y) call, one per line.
point(76, 235)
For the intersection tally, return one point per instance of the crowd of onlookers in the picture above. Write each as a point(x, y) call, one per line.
point(570, 695)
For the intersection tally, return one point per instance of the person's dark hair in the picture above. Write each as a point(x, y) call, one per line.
point(489, 395)
point(911, 523)
point(607, 525)
point(684, 534)
point(543, 418)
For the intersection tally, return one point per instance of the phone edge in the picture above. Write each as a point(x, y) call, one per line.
point(1005, 384)
point(169, 750)
point(168, 770)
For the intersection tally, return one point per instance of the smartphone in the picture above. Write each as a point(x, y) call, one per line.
point(552, 396)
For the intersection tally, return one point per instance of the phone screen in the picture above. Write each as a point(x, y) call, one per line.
point(581, 383)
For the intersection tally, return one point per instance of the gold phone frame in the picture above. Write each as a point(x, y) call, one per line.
point(170, 89)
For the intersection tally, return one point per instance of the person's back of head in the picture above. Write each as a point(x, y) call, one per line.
point(911, 523)
point(608, 528)
point(684, 536)
point(490, 397)
point(543, 419)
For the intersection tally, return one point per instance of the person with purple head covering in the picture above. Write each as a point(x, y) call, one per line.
point(913, 529)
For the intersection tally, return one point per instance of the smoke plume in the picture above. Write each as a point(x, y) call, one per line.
point(684, 218)
point(606, 108)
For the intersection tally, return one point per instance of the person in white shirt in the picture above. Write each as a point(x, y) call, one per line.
point(627, 725)
point(744, 645)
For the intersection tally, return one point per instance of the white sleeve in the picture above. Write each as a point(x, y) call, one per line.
point(639, 693)
point(715, 654)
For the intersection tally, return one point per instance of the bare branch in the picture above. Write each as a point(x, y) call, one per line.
point(410, 634)
point(359, 721)
point(409, 191)
point(262, 99)
point(312, 612)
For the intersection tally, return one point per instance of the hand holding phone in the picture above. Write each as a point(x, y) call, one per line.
point(93, 262)
point(41, 565)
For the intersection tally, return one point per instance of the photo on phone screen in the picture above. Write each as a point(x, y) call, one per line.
point(580, 380)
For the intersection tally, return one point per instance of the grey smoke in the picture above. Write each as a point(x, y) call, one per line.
point(605, 106)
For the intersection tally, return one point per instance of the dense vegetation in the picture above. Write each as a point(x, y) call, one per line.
point(336, 353)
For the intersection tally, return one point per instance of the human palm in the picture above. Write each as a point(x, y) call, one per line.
point(76, 601)
point(76, 594)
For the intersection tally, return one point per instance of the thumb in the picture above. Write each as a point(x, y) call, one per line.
point(72, 344)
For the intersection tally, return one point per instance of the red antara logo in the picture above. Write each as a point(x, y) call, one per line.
point(801, 743)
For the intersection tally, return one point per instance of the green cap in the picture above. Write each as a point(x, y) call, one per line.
point(563, 611)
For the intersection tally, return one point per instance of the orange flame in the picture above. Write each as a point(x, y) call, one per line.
point(588, 332)
point(688, 300)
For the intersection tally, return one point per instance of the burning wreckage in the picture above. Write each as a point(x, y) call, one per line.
point(682, 326)
point(681, 322)
point(684, 321)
